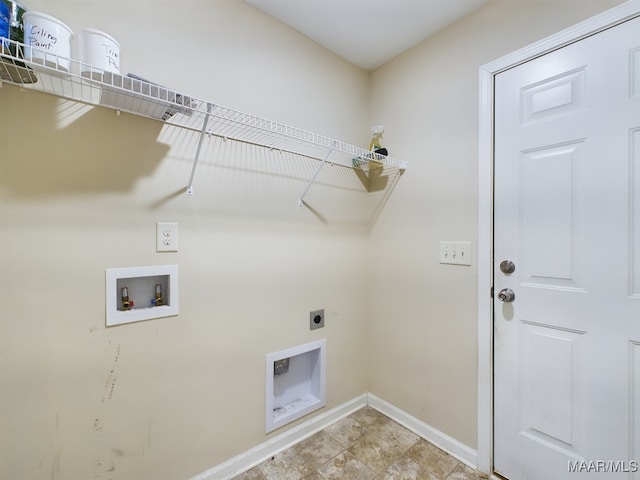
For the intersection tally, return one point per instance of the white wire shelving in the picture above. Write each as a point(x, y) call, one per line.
point(73, 80)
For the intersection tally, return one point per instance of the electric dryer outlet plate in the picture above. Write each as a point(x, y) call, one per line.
point(316, 319)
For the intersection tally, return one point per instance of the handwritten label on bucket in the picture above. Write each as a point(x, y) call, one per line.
point(99, 50)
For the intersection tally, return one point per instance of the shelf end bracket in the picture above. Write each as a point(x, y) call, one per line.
point(313, 179)
point(199, 149)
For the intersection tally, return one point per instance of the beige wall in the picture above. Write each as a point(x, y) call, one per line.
point(422, 331)
point(82, 188)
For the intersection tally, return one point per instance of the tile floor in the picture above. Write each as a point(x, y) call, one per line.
point(366, 445)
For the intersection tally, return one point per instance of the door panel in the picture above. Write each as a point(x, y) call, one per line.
point(547, 215)
point(555, 96)
point(547, 400)
point(567, 213)
point(635, 401)
point(635, 212)
point(634, 68)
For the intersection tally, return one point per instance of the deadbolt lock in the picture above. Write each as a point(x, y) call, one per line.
point(507, 267)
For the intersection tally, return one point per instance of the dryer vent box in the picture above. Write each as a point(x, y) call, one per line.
point(295, 383)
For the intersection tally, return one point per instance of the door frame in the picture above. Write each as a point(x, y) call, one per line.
point(607, 19)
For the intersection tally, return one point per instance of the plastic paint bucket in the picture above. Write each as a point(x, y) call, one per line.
point(13, 70)
point(16, 28)
point(99, 50)
point(47, 40)
point(5, 21)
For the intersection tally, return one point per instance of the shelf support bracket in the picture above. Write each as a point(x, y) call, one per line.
point(197, 157)
point(313, 179)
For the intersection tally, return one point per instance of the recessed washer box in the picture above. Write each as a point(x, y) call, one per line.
point(295, 387)
point(134, 294)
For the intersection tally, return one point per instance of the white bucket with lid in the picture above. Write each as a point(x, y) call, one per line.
point(99, 50)
point(47, 40)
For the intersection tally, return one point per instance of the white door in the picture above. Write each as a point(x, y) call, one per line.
point(567, 215)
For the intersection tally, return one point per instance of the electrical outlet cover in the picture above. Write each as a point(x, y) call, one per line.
point(166, 237)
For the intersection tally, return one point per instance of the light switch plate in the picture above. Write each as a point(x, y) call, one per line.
point(166, 237)
point(455, 253)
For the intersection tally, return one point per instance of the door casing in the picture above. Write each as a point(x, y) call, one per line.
point(485, 257)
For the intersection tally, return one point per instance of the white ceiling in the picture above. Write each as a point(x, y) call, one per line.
point(367, 33)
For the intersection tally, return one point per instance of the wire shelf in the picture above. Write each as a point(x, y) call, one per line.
point(71, 79)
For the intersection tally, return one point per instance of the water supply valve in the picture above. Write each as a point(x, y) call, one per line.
point(157, 300)
point(126, 303)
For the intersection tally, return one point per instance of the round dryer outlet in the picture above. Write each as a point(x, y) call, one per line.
point(316, 319)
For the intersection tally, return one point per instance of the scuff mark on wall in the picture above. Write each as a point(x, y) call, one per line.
point(110, 382)
point(55, 464)
point(109, 386)
point(97, 425)
point(105, 471)
point(117, 451)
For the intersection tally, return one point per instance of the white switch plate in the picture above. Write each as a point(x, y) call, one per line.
point(455, 253)
point(166, 237)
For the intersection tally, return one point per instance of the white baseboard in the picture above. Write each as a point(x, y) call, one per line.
point(249, 459)
point(453, 447)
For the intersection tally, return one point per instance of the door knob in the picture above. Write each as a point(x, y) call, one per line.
point(506, 295)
